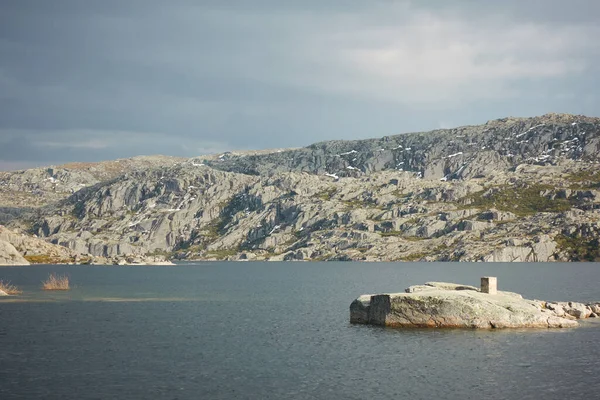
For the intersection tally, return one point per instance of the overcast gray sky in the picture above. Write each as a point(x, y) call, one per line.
point(95, 80)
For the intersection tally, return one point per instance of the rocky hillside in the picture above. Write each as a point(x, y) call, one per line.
point(460, 153)
point(24, 191)
point(523, 189)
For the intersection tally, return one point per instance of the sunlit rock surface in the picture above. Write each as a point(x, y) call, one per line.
point(9, 255)
point(446, 305)
point(514, 189)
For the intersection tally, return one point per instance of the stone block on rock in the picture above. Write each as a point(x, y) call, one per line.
point(489, 285)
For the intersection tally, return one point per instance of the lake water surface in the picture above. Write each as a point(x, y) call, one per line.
point(219, 330)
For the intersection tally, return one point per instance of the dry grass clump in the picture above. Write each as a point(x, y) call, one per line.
point(56, 282)
point(9, 288)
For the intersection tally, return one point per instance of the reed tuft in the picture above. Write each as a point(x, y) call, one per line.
point(56, 282)
point(9, 288)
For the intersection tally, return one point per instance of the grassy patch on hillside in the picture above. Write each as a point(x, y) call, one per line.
point(323, 257)
point(521, 201)
point(440, 248)
point(400, 194)
point(161, 253)
point(221, 254)
point(584, 180)
point(327, 194)
point(211, 231)
point(215, 228)
point(46, 259)
point(391, 234)
point(414, 256)
point(290, 241)
point(357, 203)
point(79, 210)
point(578, 248)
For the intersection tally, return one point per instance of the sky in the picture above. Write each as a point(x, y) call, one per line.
point(92, 81)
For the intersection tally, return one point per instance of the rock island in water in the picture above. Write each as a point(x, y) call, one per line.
point(450, 305)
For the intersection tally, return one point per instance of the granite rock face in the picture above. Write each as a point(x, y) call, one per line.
point(23, 249)
point(522, 189)
point(9, 255)
point(443, 305)
point(27, 245)
point(464, 152)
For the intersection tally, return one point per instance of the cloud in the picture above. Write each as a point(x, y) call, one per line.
point(395, 52)
point(34, 146)
point(83, 81)
point(423, 56)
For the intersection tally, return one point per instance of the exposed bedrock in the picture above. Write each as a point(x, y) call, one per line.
point(446, 305)
point(9, 255)
point(510, 190)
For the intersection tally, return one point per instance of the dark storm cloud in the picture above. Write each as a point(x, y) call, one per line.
point(100, 80)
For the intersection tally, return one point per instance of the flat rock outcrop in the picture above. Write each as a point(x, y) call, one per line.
point(447, 305)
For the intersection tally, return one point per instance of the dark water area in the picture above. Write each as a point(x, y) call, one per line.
point(280, 331)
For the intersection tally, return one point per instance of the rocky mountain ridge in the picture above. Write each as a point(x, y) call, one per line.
point(461, 153)
point(525, 189)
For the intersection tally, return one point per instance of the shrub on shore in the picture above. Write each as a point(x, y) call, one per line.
point(56, 282)
point(9, 288)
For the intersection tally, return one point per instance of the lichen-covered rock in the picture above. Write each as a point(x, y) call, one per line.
point(455, 306)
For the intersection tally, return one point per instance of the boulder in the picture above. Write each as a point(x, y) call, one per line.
point(595, 308)
point(444, 305)
point(578, 310)
point(469, 225)
point(558, 309)
point(431, 229)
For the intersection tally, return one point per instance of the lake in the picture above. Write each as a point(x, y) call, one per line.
point(223, 330)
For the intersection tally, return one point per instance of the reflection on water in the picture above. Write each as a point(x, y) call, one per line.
point(280, 330)
point(149, 299)
point(18, 299)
